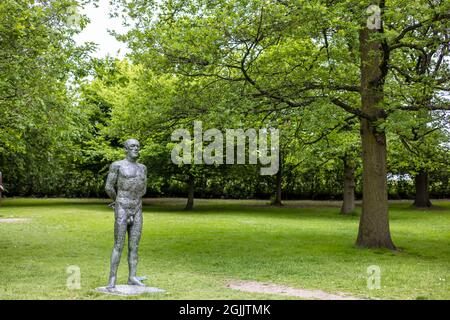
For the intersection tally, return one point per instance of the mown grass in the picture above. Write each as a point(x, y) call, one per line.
point(194, 254)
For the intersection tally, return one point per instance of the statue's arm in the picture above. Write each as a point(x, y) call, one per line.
point(145, 181)
point(111, 181)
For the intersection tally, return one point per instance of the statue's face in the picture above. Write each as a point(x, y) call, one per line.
point(132, 148)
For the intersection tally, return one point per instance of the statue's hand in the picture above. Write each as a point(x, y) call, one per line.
point(112, 205)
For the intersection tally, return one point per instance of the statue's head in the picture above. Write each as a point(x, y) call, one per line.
point(132, 147)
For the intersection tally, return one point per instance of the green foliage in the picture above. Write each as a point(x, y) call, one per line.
point(38, 119)
point(302, 59)
point(230, 64)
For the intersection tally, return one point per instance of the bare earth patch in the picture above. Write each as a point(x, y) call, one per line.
point(261, 287)
point(13, 220)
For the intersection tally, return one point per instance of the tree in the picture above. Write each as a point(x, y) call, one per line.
point(39, 63)
point(296, 52)
point(418, 147)
point(150, 107)
point(335, 143)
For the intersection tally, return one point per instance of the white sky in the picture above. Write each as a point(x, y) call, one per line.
point(97, 31)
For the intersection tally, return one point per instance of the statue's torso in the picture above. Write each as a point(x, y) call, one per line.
point(131, 180)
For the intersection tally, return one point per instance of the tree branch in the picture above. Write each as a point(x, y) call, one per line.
point(351, 110)
point(413, 27)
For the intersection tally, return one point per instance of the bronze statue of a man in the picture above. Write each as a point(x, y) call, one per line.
point(126, 185)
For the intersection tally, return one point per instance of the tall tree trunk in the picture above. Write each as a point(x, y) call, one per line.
point(374, 223)
point(422, 194)
point(279, 180)
point(348, 204)
point(190, 200)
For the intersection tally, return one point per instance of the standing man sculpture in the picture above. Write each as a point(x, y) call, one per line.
point(126, 185)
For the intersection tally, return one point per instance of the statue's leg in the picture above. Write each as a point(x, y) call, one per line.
point(120, 232)
point(134, 236)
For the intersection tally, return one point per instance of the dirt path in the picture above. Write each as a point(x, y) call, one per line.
point(261, 287)
point(13, 220)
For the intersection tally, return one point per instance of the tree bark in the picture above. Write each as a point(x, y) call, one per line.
point(279, 180)
point(348, 204)
point(422, 194)
point(374, 223)
point(190, 200)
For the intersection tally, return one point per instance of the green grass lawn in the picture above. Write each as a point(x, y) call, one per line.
point(193, 255)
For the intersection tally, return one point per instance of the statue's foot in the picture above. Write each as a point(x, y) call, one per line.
point(111, 288)
point(112, 284)
point(135, 281)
